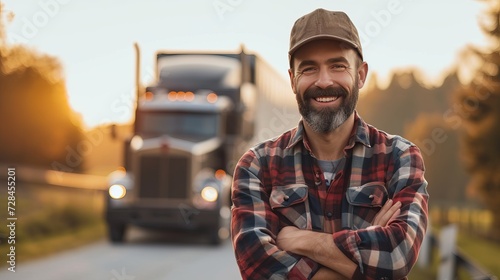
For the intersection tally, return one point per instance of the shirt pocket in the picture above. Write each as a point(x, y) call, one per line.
point(365, 202)
point(290, 202)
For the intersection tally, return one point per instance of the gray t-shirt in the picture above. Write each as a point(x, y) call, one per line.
point(329, 168)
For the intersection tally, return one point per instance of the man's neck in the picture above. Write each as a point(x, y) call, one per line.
point(330, 146)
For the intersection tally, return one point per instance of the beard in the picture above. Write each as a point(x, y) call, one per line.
point(327, 119)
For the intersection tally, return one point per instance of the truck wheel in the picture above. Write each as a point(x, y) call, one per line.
point(116, 232)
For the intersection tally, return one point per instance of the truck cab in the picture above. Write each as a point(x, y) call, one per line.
point(178, 164)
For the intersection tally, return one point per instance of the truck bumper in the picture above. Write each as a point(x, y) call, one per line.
point(181, 217)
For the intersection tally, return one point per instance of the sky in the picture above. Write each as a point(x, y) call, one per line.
point(94, 39)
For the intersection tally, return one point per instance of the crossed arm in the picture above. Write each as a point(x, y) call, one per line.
point(388, 247)
point(320, 247)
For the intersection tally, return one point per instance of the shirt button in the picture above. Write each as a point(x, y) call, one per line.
point(329, 214)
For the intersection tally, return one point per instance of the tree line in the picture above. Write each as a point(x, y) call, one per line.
point(456, 126)
point(38, 125)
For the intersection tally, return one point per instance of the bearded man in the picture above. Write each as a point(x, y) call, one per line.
point(333, 198)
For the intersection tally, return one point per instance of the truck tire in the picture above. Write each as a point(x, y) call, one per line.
point(116, 232)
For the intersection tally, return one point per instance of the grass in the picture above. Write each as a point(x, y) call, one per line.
point(53, 219)
point(481, 251)
point(32, 249)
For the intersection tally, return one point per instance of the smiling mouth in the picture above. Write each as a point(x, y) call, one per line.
point(326, 99)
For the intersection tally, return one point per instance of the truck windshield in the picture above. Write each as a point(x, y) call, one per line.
point(183, 125)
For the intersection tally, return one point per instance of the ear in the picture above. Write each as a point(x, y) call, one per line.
point(362, 74)
point(292, 79)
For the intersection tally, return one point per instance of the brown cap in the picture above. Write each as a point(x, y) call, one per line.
point(324, 24)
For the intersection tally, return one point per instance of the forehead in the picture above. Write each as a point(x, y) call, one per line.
point(322, 50)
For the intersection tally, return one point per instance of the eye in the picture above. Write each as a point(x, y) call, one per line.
point(339, 67)
point(308, 70)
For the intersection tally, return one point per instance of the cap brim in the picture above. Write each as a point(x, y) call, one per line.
point(319, 37)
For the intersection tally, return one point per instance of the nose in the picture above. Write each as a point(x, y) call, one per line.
point(324, 79)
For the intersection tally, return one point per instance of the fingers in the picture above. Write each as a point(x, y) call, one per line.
point(388, 212)
point(382, 211)
point(398, 211)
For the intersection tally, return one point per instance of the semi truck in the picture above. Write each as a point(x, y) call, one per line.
point(191, 126)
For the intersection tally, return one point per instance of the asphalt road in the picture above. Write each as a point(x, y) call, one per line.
point(145, 256)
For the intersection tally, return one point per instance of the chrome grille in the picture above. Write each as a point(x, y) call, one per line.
point(164, 176)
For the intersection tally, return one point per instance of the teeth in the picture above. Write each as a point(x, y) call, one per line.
point(326, 99)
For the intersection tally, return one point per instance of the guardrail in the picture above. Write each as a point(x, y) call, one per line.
point(57, 178)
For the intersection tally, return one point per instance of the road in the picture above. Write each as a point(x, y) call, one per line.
point(145, 256)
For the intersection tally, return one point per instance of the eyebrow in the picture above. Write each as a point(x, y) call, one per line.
point(329, 61)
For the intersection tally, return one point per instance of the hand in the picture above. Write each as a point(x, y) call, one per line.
point(389, 211)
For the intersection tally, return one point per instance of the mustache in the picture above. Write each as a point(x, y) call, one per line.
point(325, 92)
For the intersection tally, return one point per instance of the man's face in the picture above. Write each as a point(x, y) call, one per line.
point(326, 79)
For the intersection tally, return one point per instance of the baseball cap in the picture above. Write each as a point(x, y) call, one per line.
point(324, 24)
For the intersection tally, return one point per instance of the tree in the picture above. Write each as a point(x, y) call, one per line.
point(38, 125)
point(438, 143)
point(478, 104)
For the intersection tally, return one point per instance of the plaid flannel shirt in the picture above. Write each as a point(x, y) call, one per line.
point(279, 183)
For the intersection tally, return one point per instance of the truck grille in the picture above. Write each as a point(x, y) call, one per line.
point(164, 176)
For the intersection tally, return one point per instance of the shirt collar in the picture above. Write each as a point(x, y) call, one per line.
point(359, 134)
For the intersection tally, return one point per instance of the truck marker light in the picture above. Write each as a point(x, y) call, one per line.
point(172, 96)
point(212, 97)
point(209, 194)
point(122, 169)
point(189, 96)
point(149, 95)
point(219, 174)
point(181, 96)
point(117, 191)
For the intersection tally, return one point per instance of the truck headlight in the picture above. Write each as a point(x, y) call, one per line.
point(117, 191)
point(209, 194)
point(136, 143)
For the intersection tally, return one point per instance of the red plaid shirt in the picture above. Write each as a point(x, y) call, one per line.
point(279, 183)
